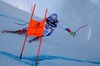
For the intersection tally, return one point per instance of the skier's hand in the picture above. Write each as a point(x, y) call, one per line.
point(73, 33)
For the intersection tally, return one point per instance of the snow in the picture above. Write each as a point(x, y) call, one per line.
point(60, 49)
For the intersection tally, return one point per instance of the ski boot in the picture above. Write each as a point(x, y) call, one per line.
point(35, 39)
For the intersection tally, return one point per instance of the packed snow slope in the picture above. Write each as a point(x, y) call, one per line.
point(59, 49)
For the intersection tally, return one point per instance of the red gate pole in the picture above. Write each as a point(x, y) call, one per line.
point(39, 47)
point(23, 47)
point(33, 12)
point(26, 34)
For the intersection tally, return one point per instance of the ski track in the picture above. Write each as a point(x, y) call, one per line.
point(13, 18)
point(31, 60)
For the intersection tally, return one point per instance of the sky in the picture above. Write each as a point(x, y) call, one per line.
point(41, 5)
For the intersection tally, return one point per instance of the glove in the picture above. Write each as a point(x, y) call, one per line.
point(73, 33)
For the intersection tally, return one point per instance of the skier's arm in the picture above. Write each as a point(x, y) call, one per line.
point(67, 29)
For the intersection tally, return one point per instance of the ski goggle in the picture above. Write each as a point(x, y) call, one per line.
point(54, 17)
point(51, 19)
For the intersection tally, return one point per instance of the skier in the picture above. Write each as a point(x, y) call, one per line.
point(51, 24)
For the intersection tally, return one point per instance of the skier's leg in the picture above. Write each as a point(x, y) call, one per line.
point(22, 31)
point(47, 32)
point(7, 31)
point(34, 39)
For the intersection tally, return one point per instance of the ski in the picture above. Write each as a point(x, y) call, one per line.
point(3, 31)
point(7, 31)
point(22, 24)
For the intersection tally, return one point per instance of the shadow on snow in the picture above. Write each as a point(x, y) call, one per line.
point(31, 60)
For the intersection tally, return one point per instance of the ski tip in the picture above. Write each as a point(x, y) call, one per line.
point(3, 31)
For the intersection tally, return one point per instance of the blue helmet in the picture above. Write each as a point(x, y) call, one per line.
point(53, 16)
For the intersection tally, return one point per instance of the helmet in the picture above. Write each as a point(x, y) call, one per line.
point(53, 16)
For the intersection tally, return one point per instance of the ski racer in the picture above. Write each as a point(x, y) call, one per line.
point(51, 24)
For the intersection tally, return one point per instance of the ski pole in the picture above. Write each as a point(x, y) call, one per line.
point(81, 27)
point(61, 26)
point(75, 30)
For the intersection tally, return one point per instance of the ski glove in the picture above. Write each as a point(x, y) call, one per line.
point(73, 33)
